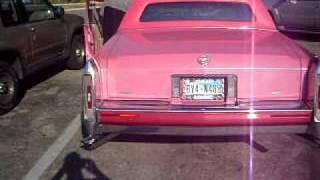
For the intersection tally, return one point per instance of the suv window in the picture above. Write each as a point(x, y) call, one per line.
point(8, 11)
point(215, 11)
point(38, 10)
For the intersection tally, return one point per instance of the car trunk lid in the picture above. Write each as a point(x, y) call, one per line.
point(143, 62)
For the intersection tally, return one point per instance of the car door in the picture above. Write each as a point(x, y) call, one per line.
point(12, 30)
point(297, 14)
point(48, 32)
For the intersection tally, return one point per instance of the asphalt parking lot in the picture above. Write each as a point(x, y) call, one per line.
point(29, 129)
point(53, 101)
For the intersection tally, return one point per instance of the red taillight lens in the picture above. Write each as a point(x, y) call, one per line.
point(128, 115)
point(89, 97)
point(318, 97)
point(108, 115)
point(317, 93)
point(88, 87)
point(317, 100)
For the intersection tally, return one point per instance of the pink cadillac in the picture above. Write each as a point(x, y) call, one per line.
point(187, 67)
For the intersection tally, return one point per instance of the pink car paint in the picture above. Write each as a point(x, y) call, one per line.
point(275, 77)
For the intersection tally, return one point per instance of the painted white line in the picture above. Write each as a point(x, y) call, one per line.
point(75, 9)
point(69, 4)
point(54, 150)
point(72, 4)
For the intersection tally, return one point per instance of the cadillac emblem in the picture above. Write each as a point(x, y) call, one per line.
point(203, 60)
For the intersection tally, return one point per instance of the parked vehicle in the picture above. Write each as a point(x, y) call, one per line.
point(213, 67)
point(296, 15)
point(33, 35)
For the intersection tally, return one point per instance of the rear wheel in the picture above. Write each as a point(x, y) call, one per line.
point(10, 90)
point(77, 53)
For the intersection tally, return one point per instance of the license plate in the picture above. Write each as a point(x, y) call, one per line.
point(203, 88)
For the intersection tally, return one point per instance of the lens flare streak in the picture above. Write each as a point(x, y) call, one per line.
point(252, 115)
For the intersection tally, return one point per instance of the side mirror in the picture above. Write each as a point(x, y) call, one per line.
point(59, 11)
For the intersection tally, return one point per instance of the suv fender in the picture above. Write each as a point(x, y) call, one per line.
point(14, 59)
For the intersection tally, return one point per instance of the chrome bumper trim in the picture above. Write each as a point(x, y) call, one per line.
point(201, 110)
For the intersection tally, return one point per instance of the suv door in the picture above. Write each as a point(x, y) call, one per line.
point(297, 14)
point(48, 32)
point(12, 32)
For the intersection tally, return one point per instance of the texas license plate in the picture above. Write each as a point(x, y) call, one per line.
point(203, 88)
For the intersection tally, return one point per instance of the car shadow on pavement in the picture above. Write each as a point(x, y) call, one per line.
point(74, 166)
point(43, 75)
point(183, 139)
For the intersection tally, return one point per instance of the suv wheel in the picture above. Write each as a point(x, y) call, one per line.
point(9, 88)
point(77, 56)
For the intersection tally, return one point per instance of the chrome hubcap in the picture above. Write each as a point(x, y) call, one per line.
point(4, 89)
point(7, 89)
point(79, 52)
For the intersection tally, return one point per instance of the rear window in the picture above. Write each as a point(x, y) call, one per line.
point(214, 11)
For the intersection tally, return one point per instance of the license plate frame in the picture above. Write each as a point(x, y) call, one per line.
point(220, 81)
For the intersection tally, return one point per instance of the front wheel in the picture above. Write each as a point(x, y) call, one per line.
point(77, 54)
point(10, 88)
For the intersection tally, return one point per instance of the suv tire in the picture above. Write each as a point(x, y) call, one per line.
point(77, 57)
point(10, 88)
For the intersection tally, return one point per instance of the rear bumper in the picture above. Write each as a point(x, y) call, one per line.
point(203, 130)
point(195, 122)
point(203, 118)
point(204, 122)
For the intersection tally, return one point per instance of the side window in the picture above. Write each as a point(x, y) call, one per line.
point(8, 13)
point(38, 10)
point(271, 3)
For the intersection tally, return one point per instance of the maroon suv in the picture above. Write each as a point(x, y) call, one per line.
point(33, 35)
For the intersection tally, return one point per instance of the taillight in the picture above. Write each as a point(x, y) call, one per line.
point(318, 98)
point(317, 95)
point(89, 90)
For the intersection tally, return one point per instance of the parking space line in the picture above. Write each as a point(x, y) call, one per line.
point(54, 150)
point(75, 9)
